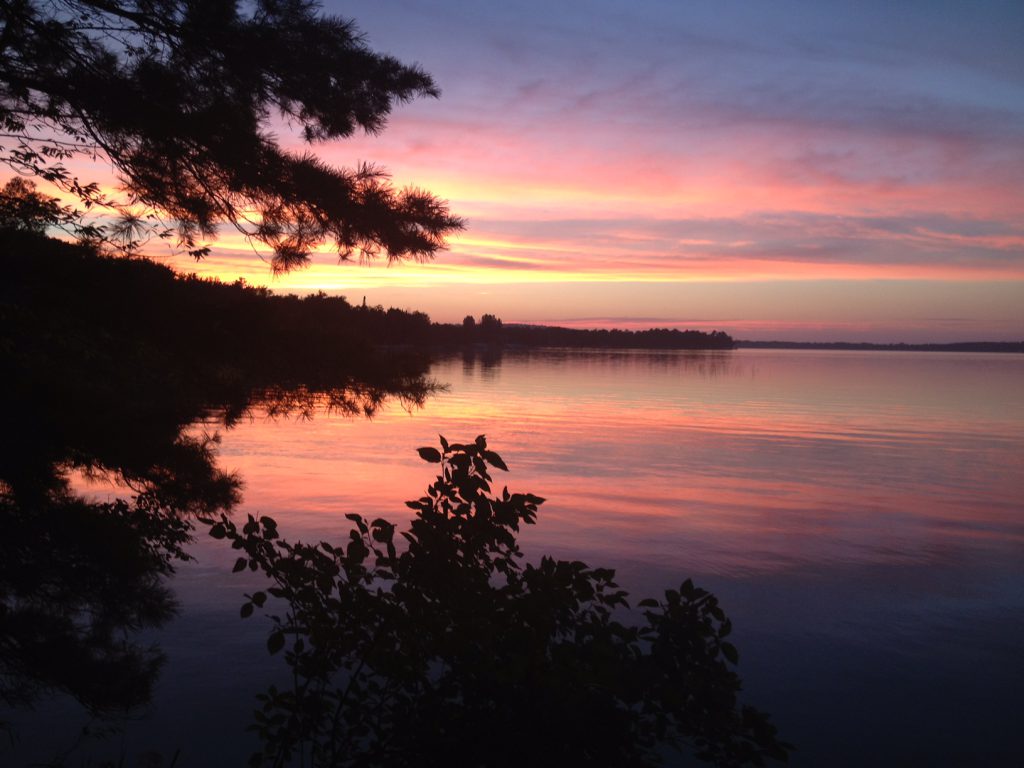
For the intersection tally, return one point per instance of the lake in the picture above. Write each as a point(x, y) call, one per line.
point(859, 514)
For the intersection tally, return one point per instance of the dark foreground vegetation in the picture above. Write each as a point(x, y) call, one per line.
point(439, 647)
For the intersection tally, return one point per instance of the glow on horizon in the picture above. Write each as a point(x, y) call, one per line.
point(636, 254)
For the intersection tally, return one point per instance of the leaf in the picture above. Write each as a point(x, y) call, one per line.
point(240, 565)
point(730, 652)
point(429, 454)
point(383, 531)
point(357, 551)
point(495, 460)
point(246, 611)
point(275, 642)
point(218, 531)
point(358, 520)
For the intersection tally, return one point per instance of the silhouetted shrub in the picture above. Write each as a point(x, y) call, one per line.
point(453, 652)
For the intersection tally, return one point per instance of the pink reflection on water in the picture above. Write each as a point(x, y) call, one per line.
point(729, 463)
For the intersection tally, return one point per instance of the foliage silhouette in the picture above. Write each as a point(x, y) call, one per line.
point(181, 98)
point(452, 652)
point(24, 208)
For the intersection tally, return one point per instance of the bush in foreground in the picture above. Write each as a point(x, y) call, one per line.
point(452, 651)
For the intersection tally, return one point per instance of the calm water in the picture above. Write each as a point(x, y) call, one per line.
point(860, 515)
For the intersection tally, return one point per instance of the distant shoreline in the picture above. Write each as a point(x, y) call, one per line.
point(966, 346)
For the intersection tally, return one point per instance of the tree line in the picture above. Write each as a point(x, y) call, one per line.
point(491, 330)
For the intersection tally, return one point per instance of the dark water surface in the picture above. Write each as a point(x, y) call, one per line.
point(860, 515)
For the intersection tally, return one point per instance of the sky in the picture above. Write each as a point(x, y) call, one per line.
point(783, 170)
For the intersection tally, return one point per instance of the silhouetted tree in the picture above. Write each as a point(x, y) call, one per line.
point(23, 208)
point(490, 328)
point(179, 97)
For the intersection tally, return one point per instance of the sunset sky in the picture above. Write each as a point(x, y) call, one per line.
point(801, 171)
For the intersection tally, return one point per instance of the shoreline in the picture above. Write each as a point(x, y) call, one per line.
point(965, 346)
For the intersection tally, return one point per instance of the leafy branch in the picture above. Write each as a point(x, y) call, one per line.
point(179, 98)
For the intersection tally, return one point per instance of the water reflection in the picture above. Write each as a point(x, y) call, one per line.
point(83, 582)
point(486, 361)
point(78, 581)
point(858, 514)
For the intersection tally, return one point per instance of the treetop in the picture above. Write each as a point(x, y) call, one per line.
point(181, 99)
